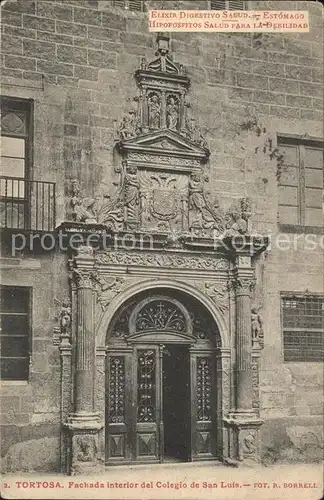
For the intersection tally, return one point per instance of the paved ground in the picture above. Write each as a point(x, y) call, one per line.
point(174, 481)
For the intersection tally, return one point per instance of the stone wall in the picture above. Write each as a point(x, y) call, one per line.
point(76, 59)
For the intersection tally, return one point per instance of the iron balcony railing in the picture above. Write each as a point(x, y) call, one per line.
point(27, 204)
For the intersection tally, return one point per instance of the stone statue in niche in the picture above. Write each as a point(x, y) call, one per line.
point(207, 216)
point(82, 208)
point(256, 327)
point(154, 107)
point(131, 192)
point(172, 113)
point(64, 318)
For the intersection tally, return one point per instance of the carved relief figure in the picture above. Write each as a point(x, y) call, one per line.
point(64, 316)
point(131, 192)
point(172, 114)
point(218, 293)
point(86, 451)
point(238, 218)
point(82, 208)
point(249, 444)
point(207, 217)
point(236, 224)
point(256, 326)
point(194, 132)
point(107, 288)
point(129, 126)
point(111, 212)
point(154, 111)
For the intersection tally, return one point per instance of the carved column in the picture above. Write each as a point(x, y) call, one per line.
point(243, 378)
point(243, 420)
point(84, 424)
point(85, 348)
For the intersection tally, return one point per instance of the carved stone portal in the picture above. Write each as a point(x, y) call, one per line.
point(161, 165)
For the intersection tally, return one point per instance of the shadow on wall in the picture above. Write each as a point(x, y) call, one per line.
point(284, 442)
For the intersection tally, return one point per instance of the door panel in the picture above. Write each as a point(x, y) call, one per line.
point(118, 407)
point(147, 403)
point(203, 406)
point(160, 404)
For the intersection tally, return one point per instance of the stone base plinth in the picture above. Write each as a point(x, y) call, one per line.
point(83, 444)
point(244, 434)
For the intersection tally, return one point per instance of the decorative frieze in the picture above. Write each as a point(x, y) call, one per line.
point(160, 260)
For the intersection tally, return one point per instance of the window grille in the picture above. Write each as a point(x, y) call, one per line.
point(303, 333)
point(228, 5)
point(134, 5)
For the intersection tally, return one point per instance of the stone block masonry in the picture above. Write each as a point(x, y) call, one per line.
point(75, 59)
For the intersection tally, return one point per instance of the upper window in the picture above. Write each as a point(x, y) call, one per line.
point(228, 5)
point(303, 322)
point(138, 5)
point(15, 332)
point(15, 157)
point(301, 182)
point(15, 144)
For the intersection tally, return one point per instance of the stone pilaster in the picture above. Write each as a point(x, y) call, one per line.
point(66, 395)
point(100, 397)
point(243, 421)
point(84, 423)
point(223, 388)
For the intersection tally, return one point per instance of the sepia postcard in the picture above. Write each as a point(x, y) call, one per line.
point(161, 266)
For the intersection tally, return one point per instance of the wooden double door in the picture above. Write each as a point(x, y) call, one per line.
point(160, 404)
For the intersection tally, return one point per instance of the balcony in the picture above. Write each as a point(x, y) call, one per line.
point(27, 204)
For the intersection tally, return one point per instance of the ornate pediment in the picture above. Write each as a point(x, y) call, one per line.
point(161, 103)
point(163, 148)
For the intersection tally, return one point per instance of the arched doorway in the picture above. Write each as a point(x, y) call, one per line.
point(162, 401)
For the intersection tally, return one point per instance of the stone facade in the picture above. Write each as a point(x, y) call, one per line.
point(76, 60)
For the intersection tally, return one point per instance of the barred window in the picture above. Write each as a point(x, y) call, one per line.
point(228, 5)
point(15, 332)
point(138, 5)
point(303, 328)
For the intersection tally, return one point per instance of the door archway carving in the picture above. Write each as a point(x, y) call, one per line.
point(162, 380)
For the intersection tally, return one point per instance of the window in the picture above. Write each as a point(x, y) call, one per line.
point(15, 139)
point(301, 182)
point(228, 5)
point(15, 332)
point(15, 159)
point(138, 5)
point(303, 322)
